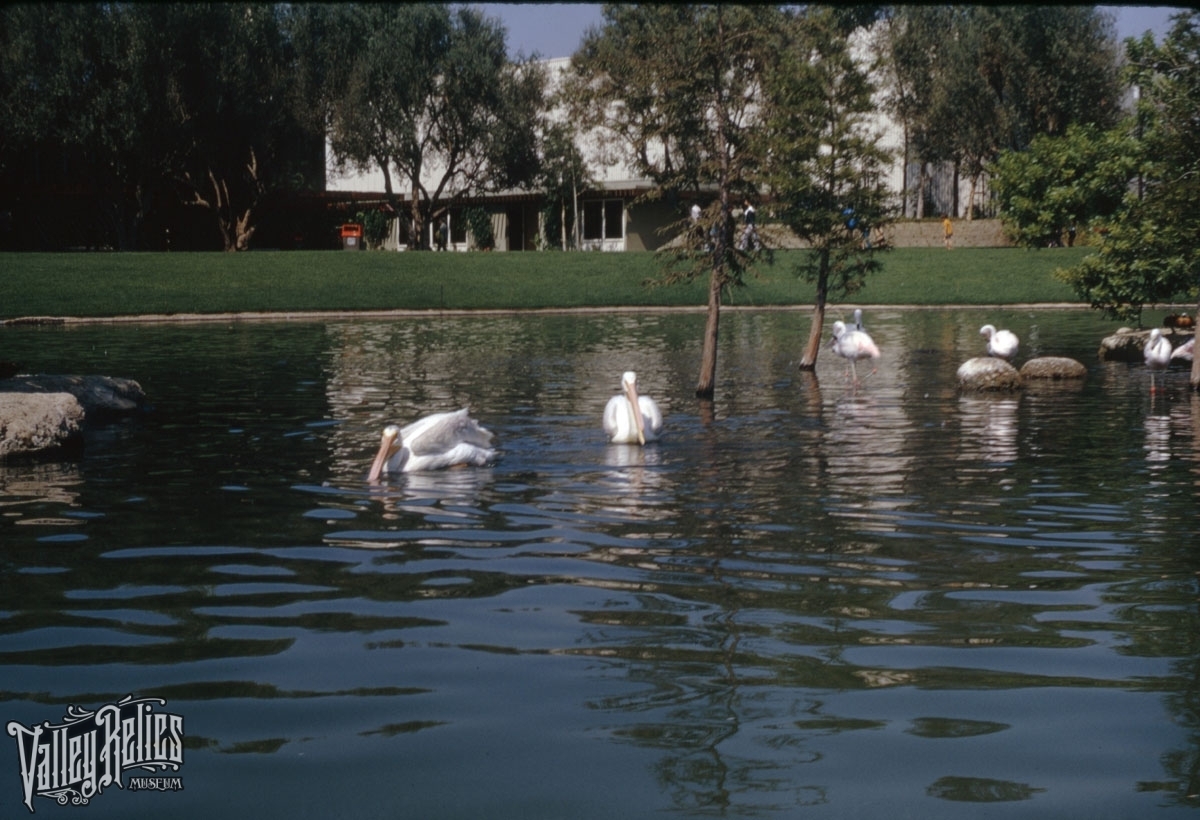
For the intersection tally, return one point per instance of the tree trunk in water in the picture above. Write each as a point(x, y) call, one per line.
point(813, 347)
point(707, 385)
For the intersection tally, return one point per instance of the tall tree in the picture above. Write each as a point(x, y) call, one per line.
point(971, 81)
point(225, 72)
point(827, 162)
point(676, 90)
point(1151, 253)
point(73, 111)
point(426, 94)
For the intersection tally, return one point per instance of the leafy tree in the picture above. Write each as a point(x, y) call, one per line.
point(426, 93)
point(226, 71)
point(971, 81)
point(137, 104)
point(563, 174)
point(1151, 252)
point(827, 163)
point(1079, 178)
point(73, 114)
point(676, 89)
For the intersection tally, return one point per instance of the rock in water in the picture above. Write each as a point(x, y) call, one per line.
point(1053, 367)
point(100, 396)
point(988, 373)
point(37, 424)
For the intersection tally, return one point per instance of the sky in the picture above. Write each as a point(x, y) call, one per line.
point(555, 29)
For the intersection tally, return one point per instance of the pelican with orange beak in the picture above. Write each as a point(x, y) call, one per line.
point(630, 418)
point(433, 443)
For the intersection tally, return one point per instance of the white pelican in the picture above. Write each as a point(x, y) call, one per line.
point(858, 319)
point(1184, 351)
point(630, 418)
point(436, 441)
point(853, 344)
point(1001, 343)
point(1157, 353)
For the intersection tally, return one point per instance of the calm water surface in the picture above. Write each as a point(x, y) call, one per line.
point(806, 601)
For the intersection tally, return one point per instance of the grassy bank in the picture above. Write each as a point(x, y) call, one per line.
point(109, 284)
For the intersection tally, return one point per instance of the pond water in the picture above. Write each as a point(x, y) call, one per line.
point(806, 600)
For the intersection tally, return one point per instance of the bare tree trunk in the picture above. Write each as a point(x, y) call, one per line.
point(417, 241)
point(813, 347)
point(954, 191)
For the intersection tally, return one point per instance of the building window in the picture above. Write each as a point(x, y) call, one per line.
point(603, 219)
point(458, 227)
point(614, 211)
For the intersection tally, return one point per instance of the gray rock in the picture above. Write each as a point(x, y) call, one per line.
point(1053, 367)
point(988, 373)
point(100, 396)
point(34, 424)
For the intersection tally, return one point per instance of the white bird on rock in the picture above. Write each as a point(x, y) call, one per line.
point(852, 345)
point(433, 443)
point(1157, 353)
point(630, 418)
point(1001, 343)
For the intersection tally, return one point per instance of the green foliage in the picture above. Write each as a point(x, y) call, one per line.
point(375, 227)
point(479, 223)
point(563, 174)
point(1151, 253)
point(828, 160)
point(1080, 178)
point(149, 106)
point(967, 82)
point(674, 89)
point(408, 88)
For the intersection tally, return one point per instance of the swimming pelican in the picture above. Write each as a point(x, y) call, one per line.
point(1184, 351)
point(432, 443)
point(853, 344)
point(1001, 343)
point(1157, 353)
point(630, 418)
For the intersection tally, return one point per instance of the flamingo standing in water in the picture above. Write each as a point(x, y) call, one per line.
point(853, 344)
point(630, 418)
point(433, 443)
point(1001, 343)
point(1157, 353)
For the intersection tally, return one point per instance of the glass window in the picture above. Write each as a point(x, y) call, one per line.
point(614, 211)
point(458, 227)
point(593, 219)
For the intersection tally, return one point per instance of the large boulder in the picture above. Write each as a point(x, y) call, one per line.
point(988, 373)
point(1053, 367)
point(39, 424)
point(100, 396)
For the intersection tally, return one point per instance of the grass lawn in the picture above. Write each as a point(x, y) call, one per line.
point(114, 284)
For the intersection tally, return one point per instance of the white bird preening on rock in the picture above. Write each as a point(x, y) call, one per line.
point(1157, 353)
point(853, 344)
point(630, 418)
point(433, 443)
point(1001, 343)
